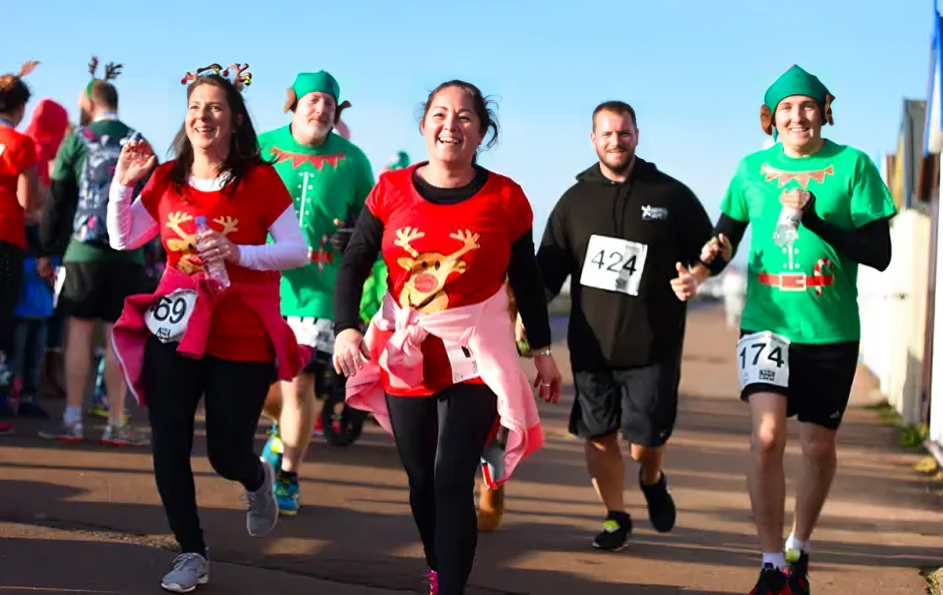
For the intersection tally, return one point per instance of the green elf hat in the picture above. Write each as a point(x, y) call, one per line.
point(794, 81)
point(112, 71)
point(309, 82)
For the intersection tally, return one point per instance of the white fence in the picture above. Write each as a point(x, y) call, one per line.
point(893, 307)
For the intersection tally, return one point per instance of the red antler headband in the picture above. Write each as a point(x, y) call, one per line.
point(27, 68)
point(240, 76)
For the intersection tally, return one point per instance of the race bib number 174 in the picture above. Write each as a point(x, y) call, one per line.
point(763, 358)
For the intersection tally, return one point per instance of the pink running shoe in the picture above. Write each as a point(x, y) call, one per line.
point(433, 582)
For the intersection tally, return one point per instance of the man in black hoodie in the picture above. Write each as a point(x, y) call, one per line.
point(630, 236)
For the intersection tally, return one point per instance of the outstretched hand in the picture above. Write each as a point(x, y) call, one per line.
point(549, 382)
point(718, 245)
point(350, 352)
point(795, 198)
point(685, 284)
point(134, 162)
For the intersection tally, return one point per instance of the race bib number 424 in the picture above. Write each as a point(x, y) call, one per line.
point(763, 358)
point(167, 318)
point(614, 264)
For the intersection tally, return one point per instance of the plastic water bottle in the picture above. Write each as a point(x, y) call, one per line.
point(215, 270)
point(787, 228)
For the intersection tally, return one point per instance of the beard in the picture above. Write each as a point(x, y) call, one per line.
point(318, 130)
point(617, 162)
point(85, 118)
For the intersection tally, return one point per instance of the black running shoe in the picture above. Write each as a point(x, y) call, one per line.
point(616, 529)
point(773, 581)
point(798, 572)
point(661, 506)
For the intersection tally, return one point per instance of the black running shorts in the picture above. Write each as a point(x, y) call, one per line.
point(96, 290)
point(642, 402)
point(819, 383)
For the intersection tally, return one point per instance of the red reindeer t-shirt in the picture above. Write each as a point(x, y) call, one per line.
point(442, 256)
point(244, 217)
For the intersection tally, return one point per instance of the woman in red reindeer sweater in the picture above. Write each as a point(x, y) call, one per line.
point(450, 232)
point(195, 337)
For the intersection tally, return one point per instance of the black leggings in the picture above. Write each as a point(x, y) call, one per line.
point(235, 393)
point(440, 440)
point(11, 278)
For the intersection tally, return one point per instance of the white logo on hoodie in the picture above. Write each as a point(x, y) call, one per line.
point(649, 212)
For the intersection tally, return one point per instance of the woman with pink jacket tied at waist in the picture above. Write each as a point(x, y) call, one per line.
point(212, 330)
point(439, 365)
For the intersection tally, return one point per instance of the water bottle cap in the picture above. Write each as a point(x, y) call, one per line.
point(200, 220)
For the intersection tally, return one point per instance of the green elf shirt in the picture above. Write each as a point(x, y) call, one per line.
point(327, 182)
point(804, 290)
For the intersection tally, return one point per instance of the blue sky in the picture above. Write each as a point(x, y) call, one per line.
point(695, 71)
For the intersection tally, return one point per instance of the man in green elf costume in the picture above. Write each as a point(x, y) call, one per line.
point(329, 178)
point(818, 210)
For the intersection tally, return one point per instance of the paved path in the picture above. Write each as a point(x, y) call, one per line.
point(88, 520)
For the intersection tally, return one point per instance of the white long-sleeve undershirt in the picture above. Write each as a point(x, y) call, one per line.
point(130, 226)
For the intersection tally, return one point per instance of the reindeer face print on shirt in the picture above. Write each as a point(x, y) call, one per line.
point(185, 243)
point(428, 272)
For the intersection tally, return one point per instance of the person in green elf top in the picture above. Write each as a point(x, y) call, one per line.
point(819, 210)
point(329, 179)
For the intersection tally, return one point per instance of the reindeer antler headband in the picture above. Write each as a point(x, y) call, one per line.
point(240, 76)
point(27, 68)
point(8, 80)
point(112, 71)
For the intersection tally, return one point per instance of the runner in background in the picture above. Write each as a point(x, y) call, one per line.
point(818, 210)
point(630, 236)
point(47, 128)
point(329, 179)
point(212, 330)
point(96, 279)
point(20, 193)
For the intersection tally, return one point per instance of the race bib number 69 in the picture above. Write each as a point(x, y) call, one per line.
point(763, 358)
point(167, 318)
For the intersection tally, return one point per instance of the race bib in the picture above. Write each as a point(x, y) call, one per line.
point(313, 332)
point(464, 366)
point(613, 264)
point(167, 318)
point(763, 358)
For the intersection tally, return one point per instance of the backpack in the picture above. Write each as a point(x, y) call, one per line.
point(101, 157)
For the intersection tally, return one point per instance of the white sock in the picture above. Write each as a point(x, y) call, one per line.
point(795, 543)
point(777, 559)
point(72, 415)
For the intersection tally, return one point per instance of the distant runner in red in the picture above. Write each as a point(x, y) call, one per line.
point(212, 329)
point(19, 193)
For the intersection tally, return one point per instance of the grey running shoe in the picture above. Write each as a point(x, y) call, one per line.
point(189, 571)
point(65, 432)
point(123, 436)
point(261, 505)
